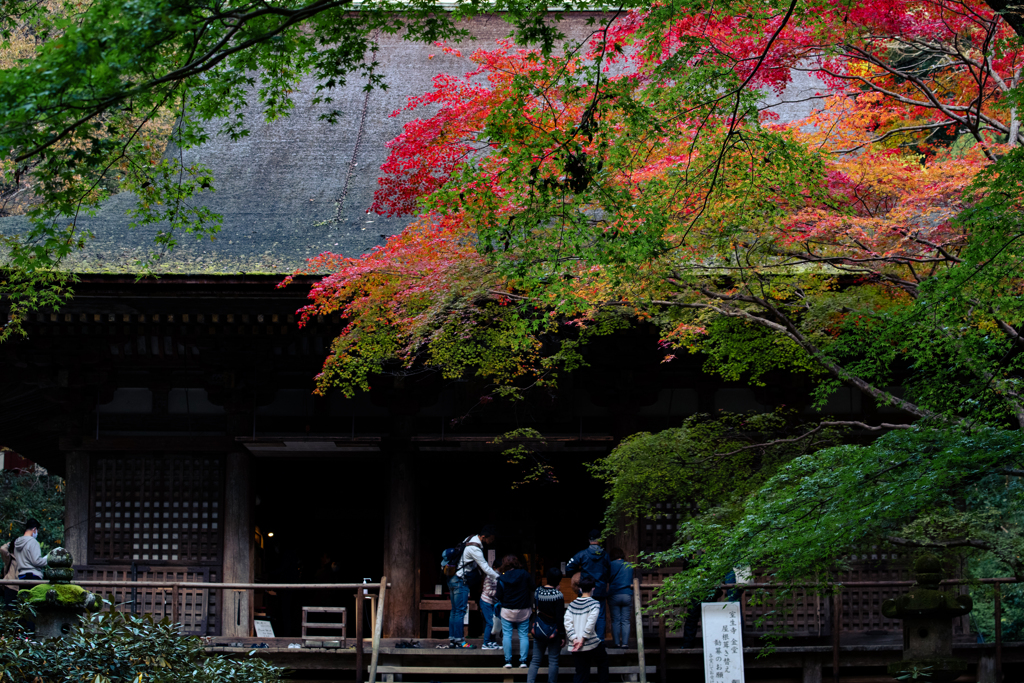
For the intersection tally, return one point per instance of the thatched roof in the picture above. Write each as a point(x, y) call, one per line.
point(299, 186)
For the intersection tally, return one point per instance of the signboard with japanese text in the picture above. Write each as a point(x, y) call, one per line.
point(263, 628)
point(723, 642)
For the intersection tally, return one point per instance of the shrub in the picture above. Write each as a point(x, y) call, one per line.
point(111, 647)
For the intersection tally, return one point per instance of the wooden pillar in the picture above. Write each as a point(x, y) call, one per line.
point(401, 556)
point(236, 608)
point(627, 537)
point(76, 506)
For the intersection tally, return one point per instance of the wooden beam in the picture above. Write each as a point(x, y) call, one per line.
point(150, 443)
point(638, 615)
point(238, 545)
point(401, 614)
point(76, 505)
point(378, 628)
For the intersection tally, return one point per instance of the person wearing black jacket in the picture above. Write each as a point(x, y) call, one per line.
point(594, 564)
point(548, 627)
point(515, 593)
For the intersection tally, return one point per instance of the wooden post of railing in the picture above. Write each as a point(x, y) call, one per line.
point(999, 633)
point(378, 626)
point(837, 625)
point(638, 614)
point(662, 650)
point(175, 614)
point(359, 635)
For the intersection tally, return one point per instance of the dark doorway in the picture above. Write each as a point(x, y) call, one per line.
point(320, 520)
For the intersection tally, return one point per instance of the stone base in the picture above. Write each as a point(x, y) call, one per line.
point(55, 622)
point(928, 670)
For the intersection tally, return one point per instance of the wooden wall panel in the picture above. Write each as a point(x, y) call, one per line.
point(197, 608)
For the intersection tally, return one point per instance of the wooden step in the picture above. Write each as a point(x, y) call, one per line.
point(497, 670)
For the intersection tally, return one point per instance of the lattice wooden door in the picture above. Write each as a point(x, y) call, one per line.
point(157, 510)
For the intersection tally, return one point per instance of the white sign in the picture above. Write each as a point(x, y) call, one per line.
point(263, 628)
point(723, 642)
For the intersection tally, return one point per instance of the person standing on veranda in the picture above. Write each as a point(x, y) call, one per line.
point(515, 593)
point(580, 628)
point(548, 626)
point(593, 563)
point(488, 598)
point(470, 564)
point(620, 597)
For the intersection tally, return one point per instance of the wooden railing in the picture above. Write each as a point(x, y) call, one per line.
point(835, 593)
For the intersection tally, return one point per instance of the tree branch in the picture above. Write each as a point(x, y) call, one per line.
point(952, 543)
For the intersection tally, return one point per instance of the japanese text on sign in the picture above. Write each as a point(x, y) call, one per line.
point(723, 642)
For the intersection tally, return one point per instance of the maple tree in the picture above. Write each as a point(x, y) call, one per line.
point(643, 176)
point(89, 90)
point(639, 175)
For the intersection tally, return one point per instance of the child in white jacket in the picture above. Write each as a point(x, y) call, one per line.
point(580, 624)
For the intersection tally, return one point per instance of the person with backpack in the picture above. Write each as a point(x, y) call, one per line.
point(620, 597)
point(594, 565)
point(580, 628)
point(515, 590)
point(548, 627)
point(463, 565)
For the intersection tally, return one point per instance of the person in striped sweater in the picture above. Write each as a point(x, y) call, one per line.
point(548, 628)
point(580, 629)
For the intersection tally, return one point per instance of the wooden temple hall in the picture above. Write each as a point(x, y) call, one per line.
point(180, 411)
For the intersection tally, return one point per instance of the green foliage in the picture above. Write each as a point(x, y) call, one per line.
point(999, 502)
point(708, 466)
point(25, 495)
point(526, 452)
point(739, 350)
point(104, 88)
point(820, 506)
point(111, 647)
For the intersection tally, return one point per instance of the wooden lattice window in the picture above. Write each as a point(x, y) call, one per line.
point(659, 532)
point(157, 510)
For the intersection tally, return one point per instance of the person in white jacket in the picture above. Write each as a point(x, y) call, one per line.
point(471, 564)
point(27, 554)
point(580, 630)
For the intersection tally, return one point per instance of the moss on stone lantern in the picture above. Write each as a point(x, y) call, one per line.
point(927, 611)
point(60, 603)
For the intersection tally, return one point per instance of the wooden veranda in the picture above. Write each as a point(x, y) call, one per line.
point(827, 639)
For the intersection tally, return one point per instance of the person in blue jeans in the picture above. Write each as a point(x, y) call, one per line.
point(470, 566)
point(488, 595)
point(515, 593)
point(620, 597)
point(548, 627)
point(594, 565)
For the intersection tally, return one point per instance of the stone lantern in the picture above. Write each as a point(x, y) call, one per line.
point(927, 611)
point(59, 603)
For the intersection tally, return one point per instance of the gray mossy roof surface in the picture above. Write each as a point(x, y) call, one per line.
point(299, 186)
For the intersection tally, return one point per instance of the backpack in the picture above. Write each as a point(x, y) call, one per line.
point(451, 559)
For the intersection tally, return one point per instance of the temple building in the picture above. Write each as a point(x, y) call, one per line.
point(180, 407)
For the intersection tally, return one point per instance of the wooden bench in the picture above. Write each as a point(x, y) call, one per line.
point(343, 625)
point(434, 605)
point(387, 673)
